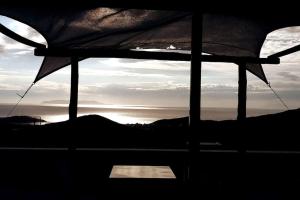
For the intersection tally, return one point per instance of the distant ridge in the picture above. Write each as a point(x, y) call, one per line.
point(184, 121)
point(168, 123)
point(88, 125)
point(285, 115)
point(20, 120)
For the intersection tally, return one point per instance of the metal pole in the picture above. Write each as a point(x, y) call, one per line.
point(195, 82)
point(242, 92)
point(195, 94)
point(74, 89)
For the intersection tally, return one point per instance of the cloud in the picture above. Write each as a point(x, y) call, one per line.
point(293, 29)
point(10, 44)
point(5, 72)
point(115, 73)
point(49, 86)
point(155, 94)
point(257, 88)
point(145, 64)
point(210, 71)
point(232, 89)
point(129, 88)
point(130, 61)
point(67, 102)
point(1, 48)
point(34, 35)
point(281, 39)
point(47, 90)
point(289, 76)
point(286, 85)
point(8, 40)
point(216, 88)
point(23, 52)
point(30, 32)
point(10, 87)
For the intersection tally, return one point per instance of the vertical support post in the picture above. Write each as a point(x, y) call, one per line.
point(72, 116)
point(242, 92)
point(74, 89)
point(195, 94)
point(195, 82)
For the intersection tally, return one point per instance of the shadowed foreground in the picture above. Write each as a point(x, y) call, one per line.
point(253, 159)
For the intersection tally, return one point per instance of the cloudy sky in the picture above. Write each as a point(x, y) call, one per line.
point(139, 82)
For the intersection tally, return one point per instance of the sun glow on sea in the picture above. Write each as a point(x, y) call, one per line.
point(55, 118)
point(119, 117)
point(124, 114)
point(123, 119)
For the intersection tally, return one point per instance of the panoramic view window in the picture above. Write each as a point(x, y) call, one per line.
point(140, 91)
point(148, 100)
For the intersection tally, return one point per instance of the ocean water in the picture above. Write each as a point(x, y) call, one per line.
point(124, 113)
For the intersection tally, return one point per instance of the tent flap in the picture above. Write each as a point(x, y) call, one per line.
point(145, 29)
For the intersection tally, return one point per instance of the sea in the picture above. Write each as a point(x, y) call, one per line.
point(125, 114)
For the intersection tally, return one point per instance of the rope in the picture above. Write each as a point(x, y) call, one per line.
point(278, 97)
point(21, 97)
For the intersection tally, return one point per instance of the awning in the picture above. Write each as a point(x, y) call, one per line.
point(117, 28)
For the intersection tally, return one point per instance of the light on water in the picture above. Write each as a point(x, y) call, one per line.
point(120, 114)
point(55, 118)
point(114, 116)
point(123, 119)
point(124, 114)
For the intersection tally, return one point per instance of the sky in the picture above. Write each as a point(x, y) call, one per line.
point(144, 82)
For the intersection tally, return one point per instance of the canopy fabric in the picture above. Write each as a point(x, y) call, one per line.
point(84, 28)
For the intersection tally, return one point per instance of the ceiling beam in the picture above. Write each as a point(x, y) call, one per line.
point(112, 53)
point(148, 55)
point(239, 60)
point(286, 52)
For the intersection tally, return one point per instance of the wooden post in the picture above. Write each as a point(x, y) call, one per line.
point(195, 82)
point(195, 96)
point(242, 92)
point(74, 89)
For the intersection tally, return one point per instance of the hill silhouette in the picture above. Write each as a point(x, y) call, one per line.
point(20, 120)
point(267, 131)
